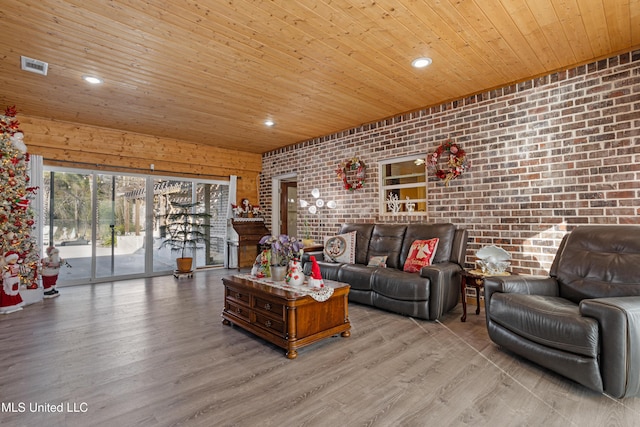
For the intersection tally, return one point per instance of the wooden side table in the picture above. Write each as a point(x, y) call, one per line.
point(475, 279)
point(313, 248)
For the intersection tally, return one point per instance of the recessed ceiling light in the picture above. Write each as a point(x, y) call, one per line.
point(92, 79)
point(421, 62)
point(269, 123)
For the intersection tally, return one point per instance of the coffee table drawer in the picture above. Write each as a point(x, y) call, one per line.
point(238, 310)
point(239, 296)
point(270, 324)
point(266, 306)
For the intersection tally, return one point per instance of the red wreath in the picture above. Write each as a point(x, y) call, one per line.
point(356, 165)
point(456, 163)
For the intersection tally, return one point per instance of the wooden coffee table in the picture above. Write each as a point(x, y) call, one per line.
point(282, 317)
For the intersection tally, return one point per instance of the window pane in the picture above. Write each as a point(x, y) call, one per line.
point(165, 194)
point(404, 186)
point(214, 199)
point(406, 172)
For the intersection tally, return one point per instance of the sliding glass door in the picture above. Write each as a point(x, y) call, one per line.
point(212, 198)
point(166, 194)
point(68, 222)
point(120, 225)
point(105, 224)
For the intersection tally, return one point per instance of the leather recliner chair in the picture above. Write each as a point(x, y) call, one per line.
point(583, 321)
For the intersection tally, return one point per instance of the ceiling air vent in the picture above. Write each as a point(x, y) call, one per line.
point(33, 65)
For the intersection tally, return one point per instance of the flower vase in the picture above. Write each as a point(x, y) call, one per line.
point(295, 276)
point(278, 273)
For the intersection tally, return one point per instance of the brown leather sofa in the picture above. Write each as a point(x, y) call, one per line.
point(583, 321)
point(427, 294)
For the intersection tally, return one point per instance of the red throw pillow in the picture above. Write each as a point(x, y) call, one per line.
point(421, 254)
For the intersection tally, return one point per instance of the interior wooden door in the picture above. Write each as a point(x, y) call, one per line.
point(288, 207)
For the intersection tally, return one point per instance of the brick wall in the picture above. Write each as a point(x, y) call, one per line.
point(547, 154)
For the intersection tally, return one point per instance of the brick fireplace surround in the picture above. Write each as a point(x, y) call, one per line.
point(547, 154)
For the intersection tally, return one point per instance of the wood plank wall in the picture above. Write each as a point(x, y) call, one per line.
point(74, 145)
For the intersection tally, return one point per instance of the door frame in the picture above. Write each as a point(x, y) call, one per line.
point(276, 195)
point(284, 205)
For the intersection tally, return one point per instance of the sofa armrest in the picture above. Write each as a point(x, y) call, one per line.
point(529, 285)
point(318, 254)
point(445, 287)
point(440, 271)
point(459, 250)
point(619, 320)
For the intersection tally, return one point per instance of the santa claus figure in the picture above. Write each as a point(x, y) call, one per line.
point(10, 299)
point(50, 269)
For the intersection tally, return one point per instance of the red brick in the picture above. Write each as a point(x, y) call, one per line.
point(547, 154)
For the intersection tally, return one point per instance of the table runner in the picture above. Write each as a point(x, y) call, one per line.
point(318, 294)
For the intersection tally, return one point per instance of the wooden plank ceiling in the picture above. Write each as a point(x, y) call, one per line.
point(213, 71)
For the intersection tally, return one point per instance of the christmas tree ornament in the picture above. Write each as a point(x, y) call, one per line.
point(18, 142)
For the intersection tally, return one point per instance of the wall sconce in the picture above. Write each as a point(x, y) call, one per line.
point(317, 206)
point(319, 203)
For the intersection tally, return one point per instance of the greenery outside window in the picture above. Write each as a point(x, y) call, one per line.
point(403, 186)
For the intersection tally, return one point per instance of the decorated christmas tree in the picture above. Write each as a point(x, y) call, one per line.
point(19, 254)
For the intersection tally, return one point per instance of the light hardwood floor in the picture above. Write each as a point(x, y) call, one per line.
point(153, 352)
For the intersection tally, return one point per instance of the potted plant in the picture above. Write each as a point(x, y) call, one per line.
point(283, 250)
point(185, 228)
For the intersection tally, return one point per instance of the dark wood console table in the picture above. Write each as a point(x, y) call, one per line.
point(250, 231)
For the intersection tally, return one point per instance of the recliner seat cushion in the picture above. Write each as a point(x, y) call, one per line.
point(549, 321)
point(399, 285)
point(358, 276)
